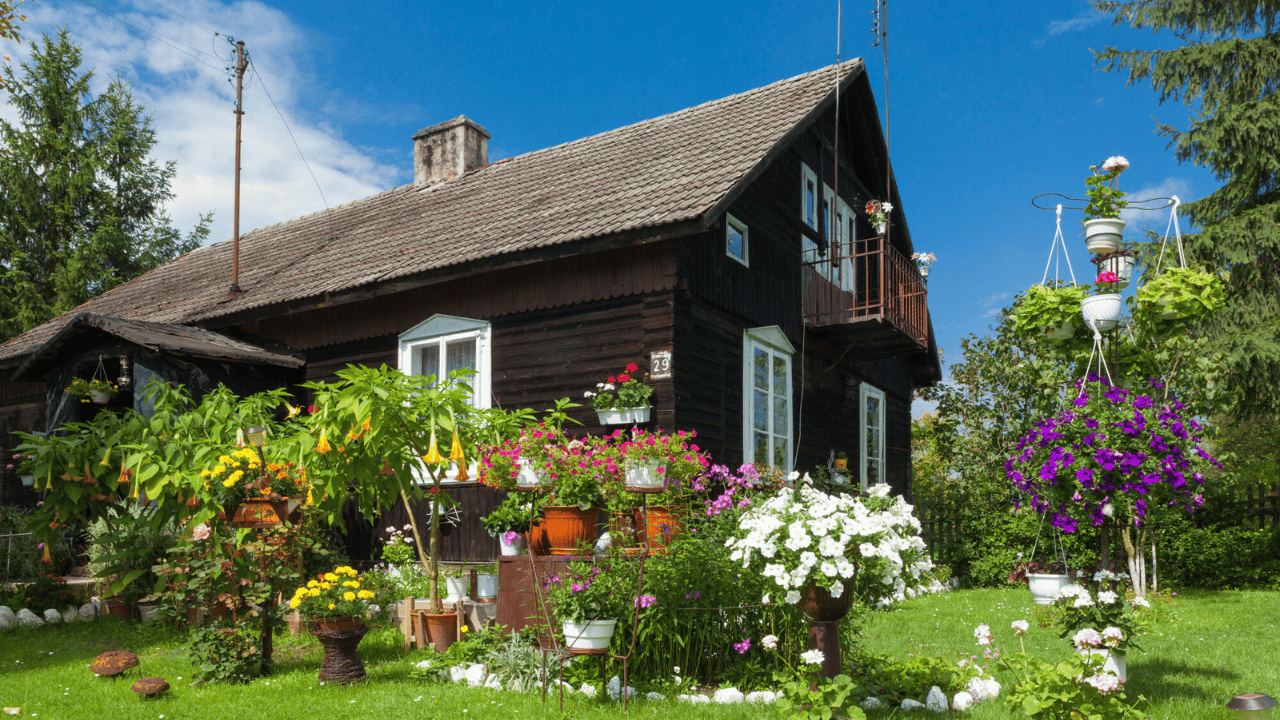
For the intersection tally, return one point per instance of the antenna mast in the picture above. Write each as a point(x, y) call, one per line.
point(880, 29)
point(241, 63)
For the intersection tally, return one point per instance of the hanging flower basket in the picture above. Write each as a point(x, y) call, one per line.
point(1120, 264)
point(1045, 586)
point(645, 476)
point(1101, 311)
point(1102, 235)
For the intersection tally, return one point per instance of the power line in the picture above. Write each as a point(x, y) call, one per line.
point(290, 131)
point(184, 17)
point(194, 54)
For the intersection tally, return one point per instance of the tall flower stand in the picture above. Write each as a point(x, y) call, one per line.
point(824, 613)
point(341, 663)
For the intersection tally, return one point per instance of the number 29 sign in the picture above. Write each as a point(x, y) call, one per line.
point(660, 365)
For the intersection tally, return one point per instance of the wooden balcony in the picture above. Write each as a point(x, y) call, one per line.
point(866, 293)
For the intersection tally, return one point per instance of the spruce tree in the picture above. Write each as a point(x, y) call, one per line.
point(81, 201)
point(1226, 71)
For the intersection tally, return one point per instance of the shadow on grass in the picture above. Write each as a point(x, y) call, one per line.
point(1163, 677)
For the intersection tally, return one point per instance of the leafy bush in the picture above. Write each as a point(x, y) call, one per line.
point(225, 653)
point(22, 551)
point(46, 592)
point(879, 676)
point(1219, 557)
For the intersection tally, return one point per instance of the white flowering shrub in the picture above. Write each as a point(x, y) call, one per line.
point(869, 546)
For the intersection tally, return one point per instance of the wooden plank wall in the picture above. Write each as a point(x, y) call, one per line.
point(22, 407)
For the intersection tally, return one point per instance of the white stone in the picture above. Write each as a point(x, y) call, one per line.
point(493, 682)
point(457, 674)
point(52, 616)
point(655, 696)
point(70, 615)
point(516, 685)
point(962, 701)
point(762, 696)
point(936, 701)
point(983, 689)
point(871, 703)
point(88, 611)
point(476, 675)
point(727, 696)
point(602, 545)
point(28, 619)
point(614, 687)
point(5, 611)
point(694, 699)
point(909, 705)
point(568, 689)
point(588, 689)
point(8, 622)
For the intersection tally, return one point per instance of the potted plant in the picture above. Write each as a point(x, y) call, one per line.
point(622, 400)
point(569, 518)
point(457, 579)
point(523, 461)
point(334, 600)
point(1120, 262)
point(1104, 625)
point(1044, 579)
point(1102, 311)
point(842, 460)
point(511, 519)
point(923, 261)
point(1049, 311)
point(487, 583)
point(97, 390)
point(878, 215)
point(1103, 226)
point(25, 468)
point(588, 598)
point(1180, 293)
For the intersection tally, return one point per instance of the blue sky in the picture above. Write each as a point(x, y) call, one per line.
point(990, 103)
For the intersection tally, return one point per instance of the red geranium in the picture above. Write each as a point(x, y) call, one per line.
point(624, 378)
point(613, 379)
point(632, 367)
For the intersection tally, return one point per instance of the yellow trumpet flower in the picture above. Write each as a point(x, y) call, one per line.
point(293, 411)
point(106, 458)
point(310, 499)
point(323, 445)
point(433, 456)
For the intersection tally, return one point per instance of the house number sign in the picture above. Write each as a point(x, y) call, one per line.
point(660, 365)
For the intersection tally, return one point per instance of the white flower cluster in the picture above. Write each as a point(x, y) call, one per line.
point(1114, 162)
point(803, 536)
point(1074, 591)
point(1105, 575)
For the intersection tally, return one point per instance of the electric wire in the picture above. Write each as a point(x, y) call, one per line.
point(289, 130)
point(184, 17)
point(189, 51)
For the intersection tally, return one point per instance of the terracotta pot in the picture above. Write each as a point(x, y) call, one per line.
point(442, 630)
point(536, 539)
point(262, 513)
point(662, 524)
point(568, 526)
point(341, 622)
point(817, 604)
point(842, 463)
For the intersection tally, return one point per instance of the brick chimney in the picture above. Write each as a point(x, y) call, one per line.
point(448, 150)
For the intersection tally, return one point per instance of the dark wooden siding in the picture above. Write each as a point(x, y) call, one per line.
point(22, 407)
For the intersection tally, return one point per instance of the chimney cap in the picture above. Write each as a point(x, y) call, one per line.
point(450, 124)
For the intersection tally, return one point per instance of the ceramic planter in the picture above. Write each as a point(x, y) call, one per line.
point(147, 611)
point(646, 476)
point(1102, 235)
point(589, 638)
point(567, 526)
point(486, 587)
point(101, 398)
point(1045, 586)
point(661, 524)
point(441, 630)
point(623, 416)
point(528, 477)
point(817, 604)
point(458, 589)
point(515, 548)
point(1115, 661)
point(841, 463)
point(1101, 311)
point(28, 480)
point(1122, 266)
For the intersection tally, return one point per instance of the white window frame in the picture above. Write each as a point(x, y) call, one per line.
point(809, 248)
point(847, 236)
point(734, 223)
point(870, 391)
point(773, 341)
point(441, 329)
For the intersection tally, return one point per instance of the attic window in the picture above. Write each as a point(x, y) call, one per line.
point(735, 232)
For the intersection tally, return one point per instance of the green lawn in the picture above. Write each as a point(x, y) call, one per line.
point(1215, 646)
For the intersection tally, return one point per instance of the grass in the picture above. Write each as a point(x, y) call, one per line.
point(1211, 647)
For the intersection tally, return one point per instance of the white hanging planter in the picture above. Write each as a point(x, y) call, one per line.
point(1122, 266)
point(1044, 586)
point(1063, 331)
point(623, 416)
point(528, 477)
point(1102, 235)
point(1101, 311)
point(646, 475)
point(592, 636)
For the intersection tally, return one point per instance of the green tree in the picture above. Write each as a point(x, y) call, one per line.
point(1227, 72)
point(81, 201)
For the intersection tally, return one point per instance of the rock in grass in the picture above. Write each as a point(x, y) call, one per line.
point(871, 703)
point(493, 682)
point(762, 697)
point(908, 705)
point(588, 689)
point(8, 622)
point(88, 611)
point(6, 611)
point(727, 696)
point(655, 696)
point(476, 675)
point(962, 701)
point(70, 615)
point(28, 619)
point(113, 662)
point(457, 674)
point(151, 686)
point(936, 701)
point(52, 617)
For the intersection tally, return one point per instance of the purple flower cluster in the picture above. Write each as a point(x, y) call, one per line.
point(1111, 446)
point(645, 601)
point(735, 487)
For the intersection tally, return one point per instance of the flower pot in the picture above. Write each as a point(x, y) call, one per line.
point(1122, 266)
point(842, 463)
point(1115, 661)
point(882, 228)
point(1045, 586)
point(515, 548)
point(28, 480)
point(341, 662)
point(486, 588)
point(661, 525)
point(1102, 235)
point(817, 604)
point(101, 398)
point(528, 477)
point(1062, 332)
point(649, 476)
point(566, 527)
point(118, 608)
point(1101, 311)
point(623, 416)
point(341, 622)
point(537, 539)
point(441, 630)
point(589, 638)
point(458, 589)
point(147, 611)
point(261, 512)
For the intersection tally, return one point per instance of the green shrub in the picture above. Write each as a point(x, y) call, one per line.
point(22, 552)
point(1220, 558)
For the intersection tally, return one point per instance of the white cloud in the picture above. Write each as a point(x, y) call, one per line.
point(190, 103)
point(1157, 221)
point(1085, 19)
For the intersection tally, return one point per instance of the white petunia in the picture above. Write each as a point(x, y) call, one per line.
point(812, 657)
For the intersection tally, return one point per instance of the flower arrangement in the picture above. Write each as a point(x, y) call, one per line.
point(87, 388)
point(1180, 294)
point(923, 261)
point(1113, 451)
point(333, 594)
point(1049, 311)
point(503, 462)
point(1105, 200)
point(878, 213)
point(1081, 614)
point(1034, 566)
point(593, 590)
point(398, 549)
point(621, 392)
point(513, 515)
point(868, 546)
point(1107, 282)
point(234, 477)
point(577, 471)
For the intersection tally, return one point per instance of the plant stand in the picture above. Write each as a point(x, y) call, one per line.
point(824, 613)
point(341, 663)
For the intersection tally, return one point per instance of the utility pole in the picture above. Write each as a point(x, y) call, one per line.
point(241, 63)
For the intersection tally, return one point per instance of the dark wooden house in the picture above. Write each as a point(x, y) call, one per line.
point(725, 244)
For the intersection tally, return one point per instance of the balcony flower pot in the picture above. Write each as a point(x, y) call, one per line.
point(486, 587)
point(624, 416)
point(1102, 235)
point(567, 526)
point(529, 477)
point(515, 547)
point(589, 638)
point(1101, 311)
point(646, 476)
point(842, 463)
point(1044, 586)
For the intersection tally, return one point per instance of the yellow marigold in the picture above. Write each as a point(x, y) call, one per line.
point(331, 577)
point(294, 603)
point(312, 584)
point(331, 606)
point(226, 460)
point(348, 596)
point(365, 595)
point(205, 473)
point(219, 469)
point(228, 482)
point(314, 592)
point(235, 476)
point(351, 584)
point(325, 585)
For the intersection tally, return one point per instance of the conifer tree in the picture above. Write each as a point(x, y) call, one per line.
point(1226, 70)
point(81, 201)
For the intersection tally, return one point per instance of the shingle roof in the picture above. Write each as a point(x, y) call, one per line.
point(669, 169)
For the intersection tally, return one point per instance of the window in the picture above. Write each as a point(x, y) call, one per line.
point(871, 435)
point(842, 265)
point(766, 397)
point(444, 343)
point(808, 212)
point(735, 238)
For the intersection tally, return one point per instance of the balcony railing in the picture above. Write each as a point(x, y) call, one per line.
point(864, 281)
